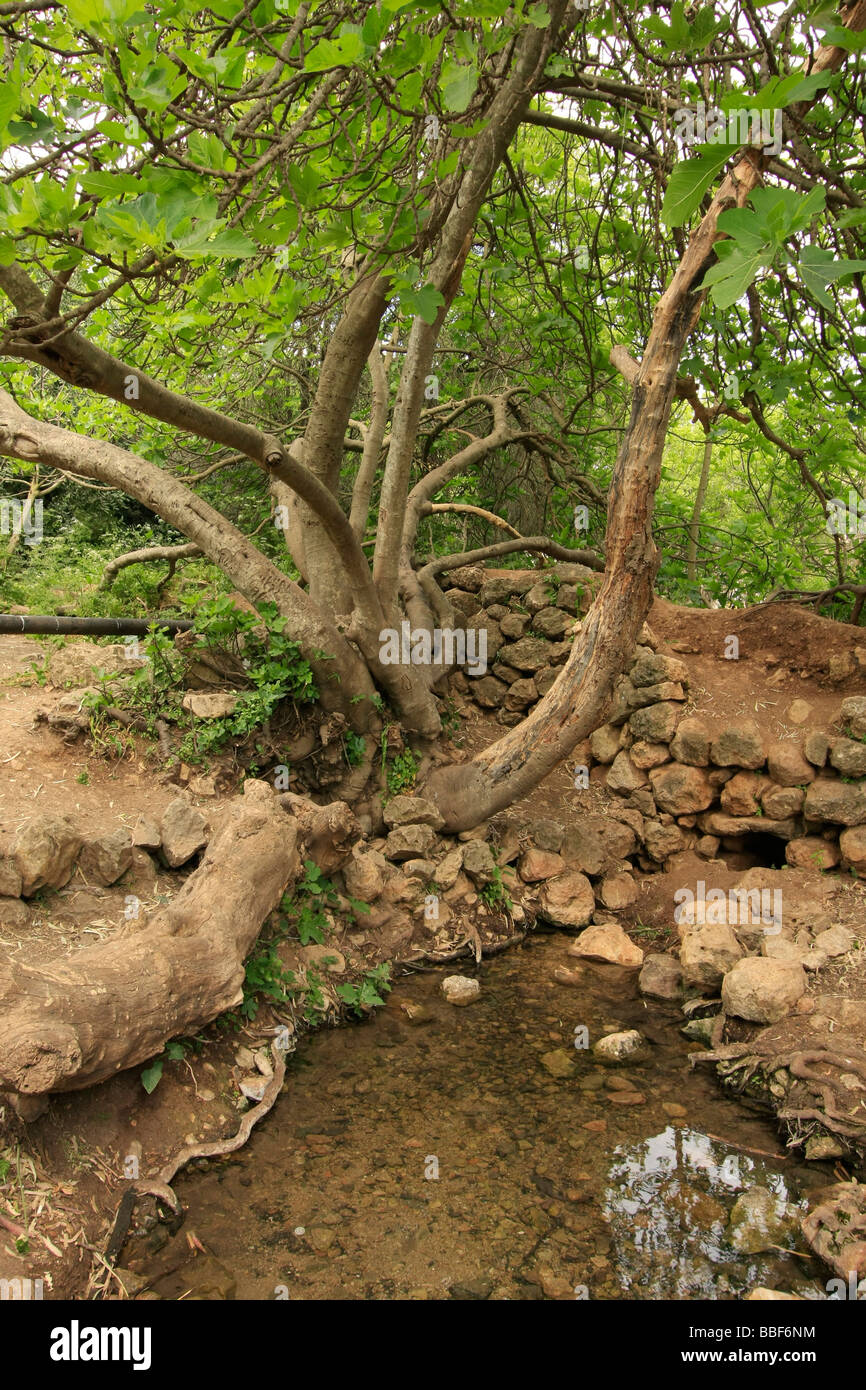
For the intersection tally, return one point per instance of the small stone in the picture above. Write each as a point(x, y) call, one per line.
point(758, 1222)
point(619, 1048)
point(460, 990)
point(763, 990)
point(558, 1063)
point(661, 977)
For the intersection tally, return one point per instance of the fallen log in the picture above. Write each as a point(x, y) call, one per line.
point(80, 1018)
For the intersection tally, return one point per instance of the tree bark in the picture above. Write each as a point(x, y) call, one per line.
point(78, 1019)
point(578, 702)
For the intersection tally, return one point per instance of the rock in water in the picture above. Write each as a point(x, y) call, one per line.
point(758, 1221)
point(460, 989)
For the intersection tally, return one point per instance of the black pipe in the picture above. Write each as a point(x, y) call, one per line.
point(90, 627)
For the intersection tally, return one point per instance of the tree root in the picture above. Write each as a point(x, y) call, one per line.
point(160, 1186)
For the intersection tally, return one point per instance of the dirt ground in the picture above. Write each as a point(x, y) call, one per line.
point(69, 1163)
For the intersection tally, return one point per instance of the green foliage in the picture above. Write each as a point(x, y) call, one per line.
point(495, 894)
point(400, 774)
point(306, 908)
point(367, 994)
point(174, 1051)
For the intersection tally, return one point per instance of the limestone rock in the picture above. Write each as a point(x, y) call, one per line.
point(538, 864)
point(145, 834)
point(661, 977)
point(460, 990)
point(852, 715)
point(652, 668)
point(656, 723)
point(364, 874)
point(740, 795)
point(648, 755)
point(183, 832)
point(843, 803)
point(741, 744)
point(623, 775)
point(218, 705)
point(606, 743)
point(567, 900)
point(618, 891)
point(409, 842)
point(681, 790)
point(412, 810)
point(848, 757)
point(552, 623)
point(105, 859)
point(44, 852)
point(811, 852)
point(617, 1048)
point(478, 862)
point(661, 841)
point(607, 942)
point(788, 766)
point(528, 654)
point(446, 871)
point(489, 692)
point(762, 990)
point(521, 694)
point(758, 1222)
point(594, 844)
point(691, 743)
point(781, 802)
point(707, 953)
point(852, 843)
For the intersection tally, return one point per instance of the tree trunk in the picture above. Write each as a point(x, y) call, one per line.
point(78, 1019)
point(578, 702)
point(695, 523)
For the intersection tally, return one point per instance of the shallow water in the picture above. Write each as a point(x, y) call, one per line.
point(443, 1160)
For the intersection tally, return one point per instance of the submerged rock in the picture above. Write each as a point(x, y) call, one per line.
point(758, 1221)
point(460, 990)
point(618, 1048)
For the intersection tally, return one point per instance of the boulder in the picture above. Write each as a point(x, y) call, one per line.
point(691, 743)
point(606, 742)
point(661, 977)
point(552, 623)
point(759, 1221)
point(623, 776)
point(740, 795)
point(527, 654)
point(606, 941)
point(594, 844)
point(10, 878)
point(520, 694)
point(409, 842)
point(651, 668)
point(478, 862)
point(852, 843)
point(841, 803)
point(44, 852)
point(567, 900)
point(183, 831)
point(546, 834)
point(145, 834)
point(500, 589)
point(835, 941)
point(106, 858)
point(816, 748)
point(489, 692)
point(811, 852)
point(681, 790)
point(648, 755)
point(655, 694)
point(781, 802)
point(740, 744)
point(788, 766)
point(412, 810)
point(469, 577)
point(707, 953)
point(852, 715)
point(364, 874)
point(446, 871)
point(848, 757)
point(538, 864)
point(763, 990)
point(513, 625)
point(656, 723)
point(661, 841)
point(618, 891)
